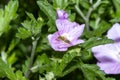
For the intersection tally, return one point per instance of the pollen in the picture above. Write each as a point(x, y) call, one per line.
point(64, 39)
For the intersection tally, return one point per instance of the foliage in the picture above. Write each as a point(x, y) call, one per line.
point(26, 53)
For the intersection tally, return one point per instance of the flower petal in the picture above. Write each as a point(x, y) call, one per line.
point(107, 52)
point(57, 44)
point(77, 31)
point(110, 67)
point(65, 25)
point(61, 14)
point(114, 32)
point(76, 42)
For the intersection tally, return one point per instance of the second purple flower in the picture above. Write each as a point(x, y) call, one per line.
point(108, 55)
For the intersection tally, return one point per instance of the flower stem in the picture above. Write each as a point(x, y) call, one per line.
point(87, 16)
point(80, 12)
point(34, 44)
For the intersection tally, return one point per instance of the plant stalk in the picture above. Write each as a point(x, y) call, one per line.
point(34, 44)
point(87, 16)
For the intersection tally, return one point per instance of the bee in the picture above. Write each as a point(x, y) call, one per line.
point(64, 39)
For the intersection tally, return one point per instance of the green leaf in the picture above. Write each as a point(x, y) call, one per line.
point(25, 66)
point(23, 33)
point(52, 26)
point(10, 10)
point(31, 28)
point(110, 79)
point(55, 65)
point(84, 3)
point(33, 25)
point(19, 75)
point(70, 69)
point(60, 4)
point(7, 15)
point(103, 27)
point(115, 20)
point(72, 17)
point(42, 64)
point(86, 55)
point(31, 16)
point(67, 58)
point(6, 70)
point(117, 7)
point(12, 45)
point(96, 41)
point(12, 58)
point(92, 72)
point(49, 11)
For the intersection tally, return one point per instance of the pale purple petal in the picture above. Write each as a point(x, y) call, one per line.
point(61, 14)
point(114, 32)
point(65, 25)
point(110, 67)
point(108, 57)
point(107, 52)
point(77, 31)
point(76, 42)
point(57, 44)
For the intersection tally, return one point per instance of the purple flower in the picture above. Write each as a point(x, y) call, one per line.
point(108, 55)
point(68, 33)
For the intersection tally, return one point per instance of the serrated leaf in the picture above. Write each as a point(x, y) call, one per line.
point(103, 27)
point(23, 33)
point(55, 65)
point(7, 15)
point(27, 25)
point(52, 26)
point(96, 41)
point(70, 69)
point(49, 11)
point(92, 72)
point(31, 16)
point(7, 70)
point(10, 10)
point(34, 26)
point(60, 4)
point(19, 75)
point(67, 58)
point(42, 64)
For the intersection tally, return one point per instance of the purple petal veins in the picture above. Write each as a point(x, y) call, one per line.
point(108, 55)
point(68, 33)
